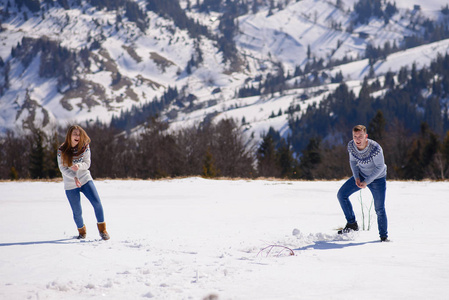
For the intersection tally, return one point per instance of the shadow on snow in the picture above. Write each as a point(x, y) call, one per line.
point(327, 245)
point(60, 241)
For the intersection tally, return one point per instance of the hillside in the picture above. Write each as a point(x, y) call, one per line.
point(72, 61)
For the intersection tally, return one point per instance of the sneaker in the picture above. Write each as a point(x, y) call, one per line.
point(384, 239)
point(349, 227)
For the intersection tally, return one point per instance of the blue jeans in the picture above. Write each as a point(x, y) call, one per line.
point(378, 189)
point(91, 194)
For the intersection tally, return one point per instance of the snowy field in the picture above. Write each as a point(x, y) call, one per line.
point(194, 238)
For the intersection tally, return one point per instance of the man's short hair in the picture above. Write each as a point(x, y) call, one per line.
point(358, 128)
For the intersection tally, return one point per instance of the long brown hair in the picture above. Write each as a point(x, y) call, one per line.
point(67, 149)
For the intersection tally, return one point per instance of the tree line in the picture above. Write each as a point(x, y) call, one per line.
point(221, 150)
point(208, 150)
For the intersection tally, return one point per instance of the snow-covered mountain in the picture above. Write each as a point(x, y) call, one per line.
point(108, 61)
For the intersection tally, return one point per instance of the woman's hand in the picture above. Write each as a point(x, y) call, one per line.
point(77, 182)
point(75, 167)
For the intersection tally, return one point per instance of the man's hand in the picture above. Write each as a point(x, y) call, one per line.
point(74, 167)
point(77, 182)
point(361, 185)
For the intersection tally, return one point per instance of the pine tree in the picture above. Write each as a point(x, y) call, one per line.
point(255, 7)
point(266, 158)
point(421, 155)
point(364, 102)
point(310, 158)
point(209, 170)
point(13, 174)
point(376, 127)
point(37, 155)
point(389, 80)
point(445, 152)
point(51, 168)
point(285, 160)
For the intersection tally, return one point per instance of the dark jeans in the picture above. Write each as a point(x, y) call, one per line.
point(91, 194)
point(378, 189)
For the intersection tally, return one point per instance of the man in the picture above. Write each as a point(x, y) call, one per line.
point(368, 170)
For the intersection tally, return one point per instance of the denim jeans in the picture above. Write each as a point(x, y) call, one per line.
point(378, 189)
point(91, 194)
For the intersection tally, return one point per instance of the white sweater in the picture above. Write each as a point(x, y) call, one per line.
point(82, 160)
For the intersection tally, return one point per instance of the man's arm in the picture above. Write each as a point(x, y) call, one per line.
point(354, 167)
point(379, 166)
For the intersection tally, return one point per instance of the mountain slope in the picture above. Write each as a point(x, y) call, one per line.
point(108, 63)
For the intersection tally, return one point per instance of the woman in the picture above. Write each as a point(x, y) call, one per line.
point(74, 163)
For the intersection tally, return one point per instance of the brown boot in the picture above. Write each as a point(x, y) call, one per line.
point(102, 229)
point(82, 232)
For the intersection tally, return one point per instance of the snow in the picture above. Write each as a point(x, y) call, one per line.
point(422, 56)
point(190, 238)
point(428, 5)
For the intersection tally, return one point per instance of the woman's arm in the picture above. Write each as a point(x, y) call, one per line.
point(66, 171)
point(84, 164)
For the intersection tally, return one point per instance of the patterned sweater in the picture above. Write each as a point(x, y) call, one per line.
point(82, 159)
point(369, 162)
